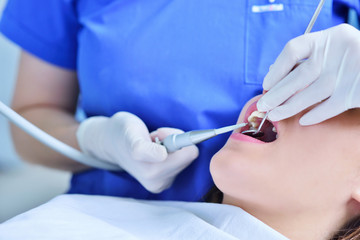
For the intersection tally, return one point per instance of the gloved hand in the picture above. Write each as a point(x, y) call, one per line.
point(330, 73)
point(124, 140)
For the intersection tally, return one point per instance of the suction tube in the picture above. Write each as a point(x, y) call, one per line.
point(52, 142)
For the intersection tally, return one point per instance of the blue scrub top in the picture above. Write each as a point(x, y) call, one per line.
point(181, 63)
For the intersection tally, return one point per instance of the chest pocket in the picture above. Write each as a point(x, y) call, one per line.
point(268, 29)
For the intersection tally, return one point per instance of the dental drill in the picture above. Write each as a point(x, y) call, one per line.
point(175, 142)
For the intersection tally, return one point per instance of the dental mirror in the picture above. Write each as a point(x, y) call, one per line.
point(253, 133)
point(256, 133)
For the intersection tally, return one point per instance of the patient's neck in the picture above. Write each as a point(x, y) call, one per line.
point(309, 224)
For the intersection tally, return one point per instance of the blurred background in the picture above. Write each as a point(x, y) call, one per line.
point(22, 186)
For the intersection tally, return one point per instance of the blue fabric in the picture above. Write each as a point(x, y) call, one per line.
point(184, 64)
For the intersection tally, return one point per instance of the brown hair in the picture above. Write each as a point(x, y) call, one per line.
point(214, 195)
point(350, 231)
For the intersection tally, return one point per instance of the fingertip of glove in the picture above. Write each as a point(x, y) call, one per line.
point(194, 151)
point(267, 80)
point(154, 190)
point(265, 86)
point(149, 152)
point(188, 153)
point(161, 152)
point(157, 187)
point(262, 105)
point(307, 121)
point(154, 134)
point(275, 115)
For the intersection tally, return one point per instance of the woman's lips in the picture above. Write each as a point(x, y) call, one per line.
point(237, 135)
point(245, 138)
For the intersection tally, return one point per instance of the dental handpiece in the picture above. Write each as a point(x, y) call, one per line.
point(175, 142)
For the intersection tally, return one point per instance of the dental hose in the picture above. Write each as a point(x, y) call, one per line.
point(52, 142)
point(172, 143)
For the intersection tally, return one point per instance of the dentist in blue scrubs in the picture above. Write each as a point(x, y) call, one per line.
point(141, 69)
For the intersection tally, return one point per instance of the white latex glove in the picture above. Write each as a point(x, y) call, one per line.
point(330, 73)
point(124, 140)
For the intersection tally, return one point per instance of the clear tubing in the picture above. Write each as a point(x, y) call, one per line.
point(52, 142)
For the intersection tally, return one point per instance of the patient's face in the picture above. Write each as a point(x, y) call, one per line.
point(304, 168)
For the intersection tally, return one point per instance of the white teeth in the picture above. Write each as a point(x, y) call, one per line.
point(252, 118)
point(274, 129)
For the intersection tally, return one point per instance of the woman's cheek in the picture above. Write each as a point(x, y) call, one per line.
point(219, 167)
point(226, 170)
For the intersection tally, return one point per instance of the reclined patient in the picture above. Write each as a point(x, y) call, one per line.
point(292, 183)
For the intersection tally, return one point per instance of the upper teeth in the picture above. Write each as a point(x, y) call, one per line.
point(252, 118)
